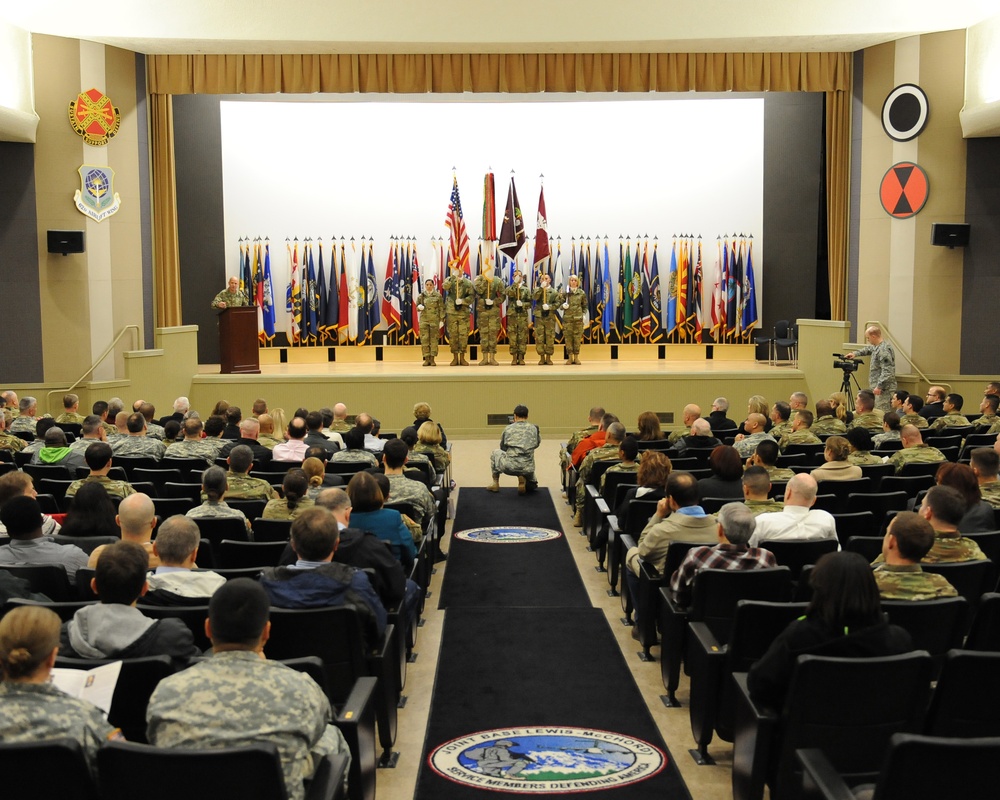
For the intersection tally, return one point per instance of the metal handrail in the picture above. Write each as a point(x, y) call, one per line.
point(895, 343)
point(107, 351)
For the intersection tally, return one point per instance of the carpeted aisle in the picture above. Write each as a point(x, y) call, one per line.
point(481, 574)
point(532, 694)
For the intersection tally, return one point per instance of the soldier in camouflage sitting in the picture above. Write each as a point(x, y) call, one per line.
point(241, 485)
point(231, 297)
point(944, 507)
point(192, 445)
point(865, 415)
point(14, 444)
point(90, 431)
point(98, 457)
point(71, 410)
point(516, 455)
point(101, 409)
point(861, 444)
point(756, 487)
point(953, 417)
point(801, 433)
point(613, 438)
point(899, 576)
point(691, 413)
point(780, 424)
point(914, 450)
point(26, 417)
point(825, 421)
point(395, 454)
point(986, 465)
point(988, 419)
point(593, 425)
point(766, 456)
point(213, 488)
point(354, 450)
point(628, 452)
point(911, 409)
point(137, 444)
point(891, 427)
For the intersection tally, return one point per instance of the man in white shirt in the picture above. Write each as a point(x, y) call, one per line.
point(799, 521)
point(295, 448)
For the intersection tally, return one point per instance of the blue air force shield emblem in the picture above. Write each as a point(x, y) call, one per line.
point(96, 197)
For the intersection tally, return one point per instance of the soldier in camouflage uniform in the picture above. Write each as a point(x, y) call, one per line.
point(801, 433)
point(98, 457)
point(608, 451)
point(242, 486)
point(987, 419)
point(943, 507)
point(566, 451)
point(516, 455)
point(780, 424)
point(214, 486)
point(71, 406)
point(825, 422)
point(26, 417)
point(395, 454)
point(628, 452)
point(766, 455)
point(354, 450)
point(266, 436)
point(574, 303)
point(746, 444)
point(231, 296)
point(860, 441)
point(238, 697)
point(952, 418)
point(14, 444)
point(899, 576)
point(192, 445)
point(459, 296)
point(986, 464)
point(914, 450)
point(34, 710)
point(137, 444)
point(518, 304)
point(881, 368)
point(490, 294)
point(756, 486)
point(689, 415)
point(865, 415)
point(430, 304)
point(546, 299)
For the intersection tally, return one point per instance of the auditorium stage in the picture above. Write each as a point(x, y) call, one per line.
point(475, 401)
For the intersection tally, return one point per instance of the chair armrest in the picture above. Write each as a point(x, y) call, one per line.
point(820, 778)
point(704, 640)
point(754, 733)
point(327, 783)
point(359, 702)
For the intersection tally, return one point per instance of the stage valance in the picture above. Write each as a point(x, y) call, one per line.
point(499, 72)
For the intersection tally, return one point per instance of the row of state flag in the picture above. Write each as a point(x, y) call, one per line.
point(626, 298)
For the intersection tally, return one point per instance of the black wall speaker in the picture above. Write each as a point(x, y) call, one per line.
point(948, 234)
point(65, 242)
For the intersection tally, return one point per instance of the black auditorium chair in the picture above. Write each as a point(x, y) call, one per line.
point(241, 554)
point(971, 579)
point(271, 530)
point(984, 635)
point(848, 707)
point(934, 625)
point(647, 600)
point(48, 579)
point(53, 768)
point(795, 555)
point(215, 529)
point(966, 699)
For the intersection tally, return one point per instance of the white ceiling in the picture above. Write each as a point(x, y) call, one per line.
point(426, 26)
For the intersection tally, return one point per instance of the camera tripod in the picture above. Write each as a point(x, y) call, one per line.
point(845, 387)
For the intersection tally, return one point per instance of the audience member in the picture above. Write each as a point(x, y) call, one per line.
point(978, 516)
point(648, 427)
point(71, 410)
point(756, 404)
point(429, 441)
point(237, 697)
point(700, 437)
point(985, 465)
point(844, 619)
point(175, 580)
point(726, 479)
point(370, 427)
point(294, 499)
point(766, 456)
point(233, 416)
point(422, 414)
point(34, 710)
point(910, 412)
point(735, 525)
point(315, 472)
point(890, 430)
point(837, 466)
point(330, 442)
point(987, 417)
point(115, 628)
point(249, 434)
point(801, 431)
point(91, 431)
point(56, 452)
point(718, 418)
point(240, 484)
point(294, 449)
point(934, 405)
point(613, 436)
point(316, 580)
point(9, 442)
point(756, 488)
point(137, 444)
point(838, 404)
point(798, 521)
point(781, 413)
point(899, 576)
point(690, 413)
point(866, 416)
point(136, 519)
point(91, 513)
point(944, 508)
point(354, 450)
point(596, 439)
point(266, 436)
point(192, 445)
point(825, 422)
point(952, 416)
point(628, 454)
point(651, 479)
point(914, 450)
point(153, 429)
point(19, 484)
point(860, 442)
point(406, 490)
point(22, 518)
point(409, 436)
point(214, 486)
point(98, 456)
point(746, 443)
point(386, 523)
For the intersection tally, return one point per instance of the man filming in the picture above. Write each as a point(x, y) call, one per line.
point(882, 370)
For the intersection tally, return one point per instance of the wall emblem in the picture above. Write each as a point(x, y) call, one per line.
point(94, 117)
point(96, 197)
point(904, 112)
point(550, 760)
point(903, 190)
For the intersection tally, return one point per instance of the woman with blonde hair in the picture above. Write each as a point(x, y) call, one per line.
point(429, 442)
point(837, 467)
point(422, 414)
point(315, 471)
point(33, 708)
point(280, 420)
point(840, 410)
point(757, 404)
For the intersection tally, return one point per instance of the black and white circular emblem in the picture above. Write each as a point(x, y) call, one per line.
point(904, 112)
point(508, 535)
point(549, 760)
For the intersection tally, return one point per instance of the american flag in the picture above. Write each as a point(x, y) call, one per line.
point(457, 234)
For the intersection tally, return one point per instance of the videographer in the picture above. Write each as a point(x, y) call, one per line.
point(882, 370)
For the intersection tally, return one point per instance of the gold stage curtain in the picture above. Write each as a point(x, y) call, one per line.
point(167, 275)
point(499, 72)
point(514, 73)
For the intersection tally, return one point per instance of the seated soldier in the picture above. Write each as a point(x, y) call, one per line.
point(214, 487)
point(756, 487)
point(354, 450)
point(136, 518)
point(735, 526)
point(914, 450)
point(700, 437)
point(747, 443)
point(596, 439)
point(952, 416)
point(890, 430)
point(909, 412)
point(801, 431)
point(899, 577)
point(406, 490)
point(192, 445)
point(115, 628)
point(237, 697)
point(71, 410)
point(781, 413)
point(860, 441)
point(22, 518)
point(137, 444)
point(593, 425)
point(690, 413)
point(825, 422)
point(153, 428)
point(766, 456)
point(986, 464)
point(944, 508)
point(988, 414)
point(628, 452)
point(613, 436)
point(98, 457)
point(865, 415)
point(316, 580)
point(240, 485)
point(175, 581)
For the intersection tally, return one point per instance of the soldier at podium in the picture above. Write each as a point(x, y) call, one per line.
point(232, 296)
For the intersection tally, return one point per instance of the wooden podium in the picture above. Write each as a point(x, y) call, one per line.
point(238, 349)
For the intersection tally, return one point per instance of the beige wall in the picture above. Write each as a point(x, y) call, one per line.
point(913, 287)
point(85, 299)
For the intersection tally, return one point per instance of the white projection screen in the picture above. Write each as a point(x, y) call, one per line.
point(658, 166)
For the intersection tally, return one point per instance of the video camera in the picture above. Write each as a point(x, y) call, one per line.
point(846, 364)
